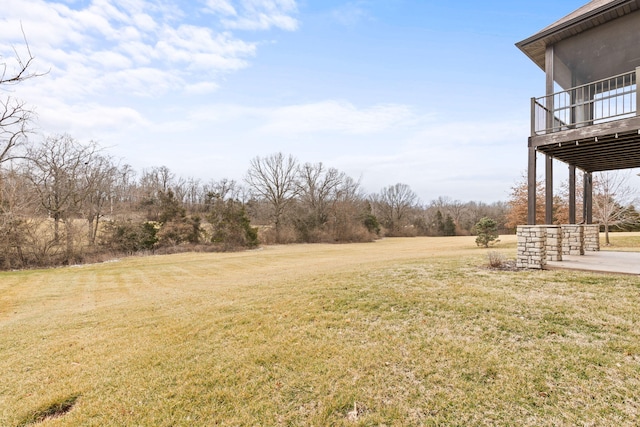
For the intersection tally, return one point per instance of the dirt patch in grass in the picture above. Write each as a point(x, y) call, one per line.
point(52, 410)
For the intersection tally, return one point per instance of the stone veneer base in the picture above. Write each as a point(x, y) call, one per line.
point(538, 244)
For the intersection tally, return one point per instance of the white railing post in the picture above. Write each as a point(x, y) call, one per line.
point(533, 117)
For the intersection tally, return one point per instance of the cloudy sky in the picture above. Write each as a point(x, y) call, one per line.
point(433, 94)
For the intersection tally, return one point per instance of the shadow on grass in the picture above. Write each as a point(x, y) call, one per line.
point(53, 410)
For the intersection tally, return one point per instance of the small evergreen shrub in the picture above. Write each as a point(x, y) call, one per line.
point(487, 232)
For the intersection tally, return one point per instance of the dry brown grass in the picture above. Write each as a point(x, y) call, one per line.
point(625, 241)
point(397, 332)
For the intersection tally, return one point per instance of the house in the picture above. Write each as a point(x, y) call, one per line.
point(588, 117)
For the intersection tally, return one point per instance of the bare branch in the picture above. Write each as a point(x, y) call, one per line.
point(14, 115)
point(22, 70)
point(612, 200)
point(14, 121)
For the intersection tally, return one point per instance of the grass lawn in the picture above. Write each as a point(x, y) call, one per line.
point(399, 332)
point(625, 242)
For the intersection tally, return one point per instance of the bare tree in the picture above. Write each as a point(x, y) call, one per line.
point(58, 170)
point(16, 208)
point(180, 190)
point(350, 211)
point(153, 182)
point(100, 175)
point(393, 205)
point(478, 210)
point(14, 115)
point(192, 193)
point(273, 178)
point(224, 190)
point(456, 209)
point(157, 179)
point(317, 190)
point(612, 199)
point(15, 118)
point(124, 194)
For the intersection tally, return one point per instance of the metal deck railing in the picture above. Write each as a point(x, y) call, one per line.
point(602, 101)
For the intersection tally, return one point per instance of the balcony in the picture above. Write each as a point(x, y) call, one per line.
point(598, 102)
point(595, 126)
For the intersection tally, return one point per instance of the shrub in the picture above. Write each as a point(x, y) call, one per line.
point(11, 242)
point(496, 259)
point(174, 233)
point(130, 237)
point(487, 231)
point(231, 226)
point(372, 224)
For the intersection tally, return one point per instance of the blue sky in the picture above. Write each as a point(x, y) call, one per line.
point(433, 94)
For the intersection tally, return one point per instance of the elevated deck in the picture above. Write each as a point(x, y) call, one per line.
point(595, 127)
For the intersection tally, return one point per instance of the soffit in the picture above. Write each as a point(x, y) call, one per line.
point(594, 13)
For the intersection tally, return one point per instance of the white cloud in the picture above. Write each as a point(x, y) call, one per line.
point(200, 48)
point(351, 14)
point(111, 60)
point(335, 116)
point(262, 21)
point(330, 116)
point(464, 133)
point(142, 82)
point(201, 88)
point(223, 7)
point(87, 121)
point(139, 47)
point(104, 59)
point(256, 14)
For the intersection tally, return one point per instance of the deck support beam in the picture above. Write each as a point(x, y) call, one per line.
point(548, 191)
point(531, 186)
point(587, 202)
point(550, 123)
point(572, 194)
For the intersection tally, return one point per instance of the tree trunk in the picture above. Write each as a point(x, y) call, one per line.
point(56, 227)
point(93, 220)
point(68, 240)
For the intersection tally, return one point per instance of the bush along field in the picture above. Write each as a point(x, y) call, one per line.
point(399, 332)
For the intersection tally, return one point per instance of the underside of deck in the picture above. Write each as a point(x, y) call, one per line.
point(607, 146)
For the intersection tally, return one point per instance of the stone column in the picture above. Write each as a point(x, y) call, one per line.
point(572, 239)
point(553, 245)
point(592, 238)
point(531, 246)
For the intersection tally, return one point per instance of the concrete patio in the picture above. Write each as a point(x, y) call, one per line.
point(602, 262)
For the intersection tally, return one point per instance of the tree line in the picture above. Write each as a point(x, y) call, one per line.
point(63, 201)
